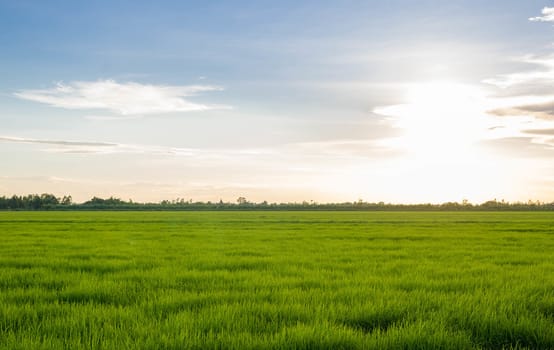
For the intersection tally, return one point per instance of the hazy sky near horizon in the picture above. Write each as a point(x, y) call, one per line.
point(395, 101)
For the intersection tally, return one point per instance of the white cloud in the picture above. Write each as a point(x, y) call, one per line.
point(122, 98)
point(94, 147)
point(111, 117)
point(543, 74)
point(547, 15)
point(100, 147)
point(442, 121)
point(12, 139)
point(302, 150)
point(528, 92)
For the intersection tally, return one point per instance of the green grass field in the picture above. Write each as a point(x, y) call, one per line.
point(297, 280)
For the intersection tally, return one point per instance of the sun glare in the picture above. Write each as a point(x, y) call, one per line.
point(438, 119)
point(441, 125)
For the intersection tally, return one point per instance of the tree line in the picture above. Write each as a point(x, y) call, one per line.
point(48, 201)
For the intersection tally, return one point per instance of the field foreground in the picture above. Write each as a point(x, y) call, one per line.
point(298, 280)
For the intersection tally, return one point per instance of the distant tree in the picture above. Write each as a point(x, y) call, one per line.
point(95, 201)
point(67, 200)
point(15, 202)
point(49, 200)
point(35, 202)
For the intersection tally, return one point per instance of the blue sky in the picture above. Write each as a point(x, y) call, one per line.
point(401, 101)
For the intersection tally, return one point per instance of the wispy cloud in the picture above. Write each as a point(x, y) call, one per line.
point(543, 73)
point(111, 117)
point(539, 110)
point(99, 147)
point(528, 92)
point(93, 147)
point(287, 154)
point(526, 101)
point(547, 15)
point(57, 142)
point(122, 98)
point(540, 131)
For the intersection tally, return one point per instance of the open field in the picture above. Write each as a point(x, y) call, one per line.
point(302, 280)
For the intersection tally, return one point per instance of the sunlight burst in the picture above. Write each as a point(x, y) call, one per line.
point(438, 119)
point(442, 125)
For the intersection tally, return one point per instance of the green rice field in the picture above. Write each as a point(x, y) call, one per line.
point(276, 280)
